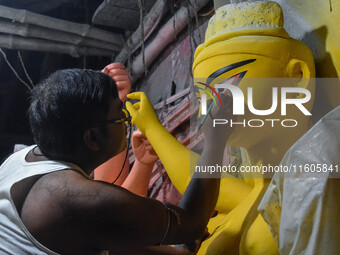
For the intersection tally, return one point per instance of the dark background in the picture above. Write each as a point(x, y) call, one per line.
point(14, 96)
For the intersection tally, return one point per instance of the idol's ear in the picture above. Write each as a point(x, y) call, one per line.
point(91, 139)
point(299, 71)
point(300, 75)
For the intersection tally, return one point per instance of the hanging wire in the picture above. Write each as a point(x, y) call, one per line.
point(84, 61)
point(196, 19)
point(190, 25)
point(173, 8)
point(209, 13)
point(141, 4)
point(13, 70)
point(129, 62)
point(174, 26)
point(190, 37)
point(24, 68)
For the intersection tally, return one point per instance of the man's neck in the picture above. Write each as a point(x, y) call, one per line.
point(79, 159)
point(35, 155)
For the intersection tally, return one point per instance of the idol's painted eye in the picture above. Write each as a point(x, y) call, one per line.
point(233, 80)
point(228, 68)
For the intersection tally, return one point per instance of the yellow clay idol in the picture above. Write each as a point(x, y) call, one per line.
point(246, 41)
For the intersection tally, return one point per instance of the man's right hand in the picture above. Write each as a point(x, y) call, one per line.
point(219, 134)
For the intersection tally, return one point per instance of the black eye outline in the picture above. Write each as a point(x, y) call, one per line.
point(237, 79)
point(228, 68)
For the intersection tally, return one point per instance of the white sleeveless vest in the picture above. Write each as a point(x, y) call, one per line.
point(14, 236)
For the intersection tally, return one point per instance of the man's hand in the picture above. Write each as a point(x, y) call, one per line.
point(142, 112)
point(142, 149)
point(220, 133)
point(121, 76)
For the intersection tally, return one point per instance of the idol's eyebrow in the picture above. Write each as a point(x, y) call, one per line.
point(227, 69)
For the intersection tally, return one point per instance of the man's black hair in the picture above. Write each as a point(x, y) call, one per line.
point(66, 104)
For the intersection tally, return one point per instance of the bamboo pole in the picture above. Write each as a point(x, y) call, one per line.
point(27, 30)
point(85, 30)
point(165, 35)
point(151, 20)
point(21, 43)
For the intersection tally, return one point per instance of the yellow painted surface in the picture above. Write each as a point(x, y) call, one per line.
point(244, 19)
point(238, 33)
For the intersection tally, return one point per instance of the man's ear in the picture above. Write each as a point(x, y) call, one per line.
point(91, 139)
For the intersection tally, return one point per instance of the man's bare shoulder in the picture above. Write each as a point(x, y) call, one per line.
point(65, 210)
point(62, 207)
point(64, 194)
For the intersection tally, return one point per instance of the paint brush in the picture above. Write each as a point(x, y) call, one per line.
point(205, 116)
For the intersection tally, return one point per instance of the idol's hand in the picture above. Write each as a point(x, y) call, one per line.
point(142, 112)
point(121, 76)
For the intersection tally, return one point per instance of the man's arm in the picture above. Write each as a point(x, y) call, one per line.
point(117, 219)
point(154, 250)
point(102, 216)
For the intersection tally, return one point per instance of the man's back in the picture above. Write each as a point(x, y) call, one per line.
point(53, 209)
point(18, 197)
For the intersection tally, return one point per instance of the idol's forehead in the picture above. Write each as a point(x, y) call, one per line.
point(273, 47)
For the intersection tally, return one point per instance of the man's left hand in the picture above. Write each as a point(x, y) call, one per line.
point(142, 149)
